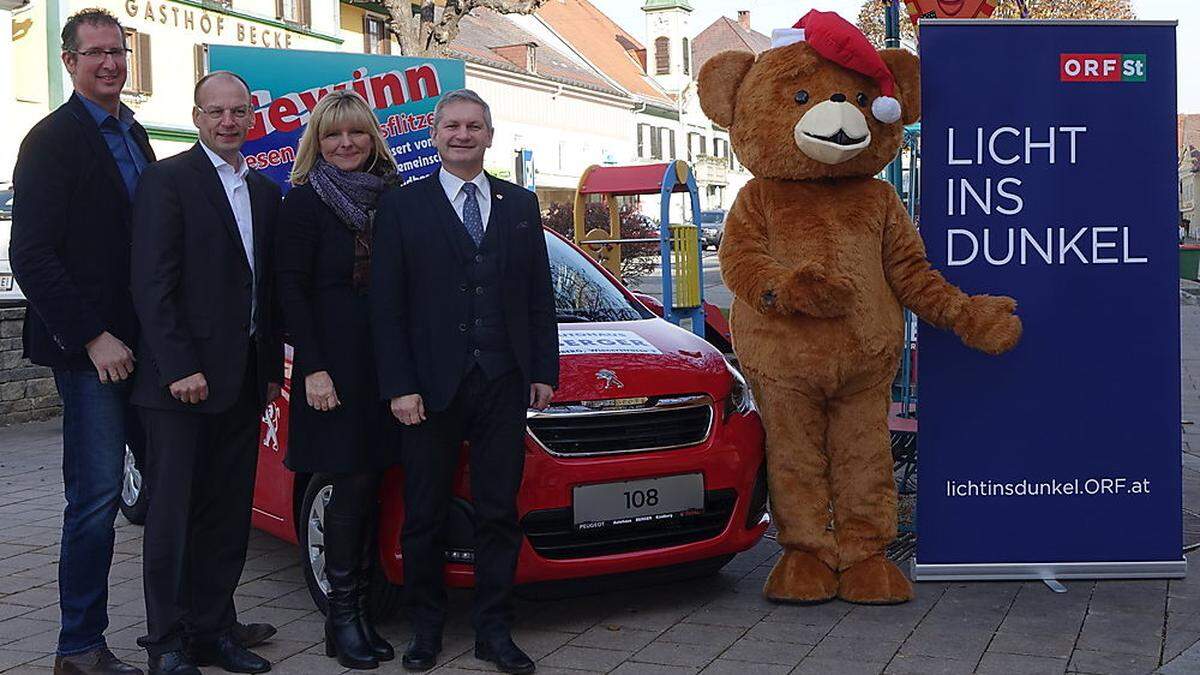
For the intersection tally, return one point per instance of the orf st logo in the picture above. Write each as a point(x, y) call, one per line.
point(1102, 67)
point(610, 379)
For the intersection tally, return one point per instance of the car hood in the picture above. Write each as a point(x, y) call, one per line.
point(636, 358)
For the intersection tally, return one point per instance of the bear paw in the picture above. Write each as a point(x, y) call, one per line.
point(874, 581)
point(987, 323)
point(800, 577)
point(812, 290)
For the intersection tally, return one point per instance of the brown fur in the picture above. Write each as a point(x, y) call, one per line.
point(802, 578)
point(874, 581)
point(822, 259)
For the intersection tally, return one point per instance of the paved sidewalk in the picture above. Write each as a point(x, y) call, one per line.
point(717, 625)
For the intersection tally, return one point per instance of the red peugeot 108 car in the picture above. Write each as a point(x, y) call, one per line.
point(650, 456)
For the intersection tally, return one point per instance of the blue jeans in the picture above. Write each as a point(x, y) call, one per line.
point(94, 416)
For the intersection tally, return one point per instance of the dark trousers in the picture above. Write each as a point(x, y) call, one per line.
point(490, 415)
point(200, 477)
point(94, 429)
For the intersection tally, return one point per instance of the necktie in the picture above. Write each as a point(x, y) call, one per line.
point(472, 220)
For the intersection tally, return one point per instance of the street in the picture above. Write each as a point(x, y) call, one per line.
point(720, 624)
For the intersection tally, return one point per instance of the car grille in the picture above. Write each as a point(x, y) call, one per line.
point(552, 532)
point(662, 424)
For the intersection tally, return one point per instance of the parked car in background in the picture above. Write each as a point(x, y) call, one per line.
point(712, 228)
point(650, 458)
point(10, 292)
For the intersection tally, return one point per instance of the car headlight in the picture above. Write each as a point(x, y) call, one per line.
point(740, 399)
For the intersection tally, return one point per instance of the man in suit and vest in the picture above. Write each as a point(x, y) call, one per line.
point(466, 339)
point(74, 180)
point(208, 361)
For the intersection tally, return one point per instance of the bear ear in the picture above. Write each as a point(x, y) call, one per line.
point(719, 81)
point(906, 69)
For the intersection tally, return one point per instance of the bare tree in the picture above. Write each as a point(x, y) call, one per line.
point(871, 16)
point(427, 27)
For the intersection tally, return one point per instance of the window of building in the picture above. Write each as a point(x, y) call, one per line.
point(643, 137)
point(199, 62)
point(671, 143)
point(655, 143)
point(139, 79)
point(294, 11)
point(662, 56)
point(687, 58)
point(376, 39)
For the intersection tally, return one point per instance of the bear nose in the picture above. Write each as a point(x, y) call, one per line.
point(838, 98)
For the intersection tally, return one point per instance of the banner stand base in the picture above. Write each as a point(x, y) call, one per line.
point(1151, 569)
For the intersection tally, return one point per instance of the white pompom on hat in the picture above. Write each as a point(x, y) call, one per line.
point(842, 42)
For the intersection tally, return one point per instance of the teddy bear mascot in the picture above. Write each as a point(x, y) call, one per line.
point(822, 257)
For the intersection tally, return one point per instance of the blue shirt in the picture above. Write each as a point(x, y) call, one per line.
point(118, 136)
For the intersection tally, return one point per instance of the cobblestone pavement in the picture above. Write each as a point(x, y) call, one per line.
point(720, 624)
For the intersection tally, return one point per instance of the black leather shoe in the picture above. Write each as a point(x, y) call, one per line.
point(229, 655)
point(252, 634)
point(507, 656)
point(422, 652)
point(99, 661)
point(172, 663)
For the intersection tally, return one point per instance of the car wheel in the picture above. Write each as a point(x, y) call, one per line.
point(133, 491)
point(383, 599)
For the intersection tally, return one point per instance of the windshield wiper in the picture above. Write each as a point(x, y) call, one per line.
point(570, 317)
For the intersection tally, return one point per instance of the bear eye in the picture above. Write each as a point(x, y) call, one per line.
point(862, 99)
point(802, 97)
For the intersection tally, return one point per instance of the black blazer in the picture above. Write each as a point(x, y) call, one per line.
point(419, 290)
point(70, 238)
point(192, 283)
point(326, 321)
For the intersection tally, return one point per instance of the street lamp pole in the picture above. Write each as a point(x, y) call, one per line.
point(891, 40)
point(891, 24)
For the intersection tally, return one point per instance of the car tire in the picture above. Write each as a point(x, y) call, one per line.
point(383, 599)
point(133, 489)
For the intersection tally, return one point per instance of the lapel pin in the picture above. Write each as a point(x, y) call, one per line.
point(499, 196)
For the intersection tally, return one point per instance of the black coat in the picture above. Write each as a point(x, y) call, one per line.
point(70, 238)
point(326, 320)
point(192, 284)
point(419, 289)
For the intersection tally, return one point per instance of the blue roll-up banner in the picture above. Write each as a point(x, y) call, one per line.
point(1049, 175)
point(286, 84)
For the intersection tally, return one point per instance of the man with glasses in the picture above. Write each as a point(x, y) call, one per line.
point(208, 361)
point(75, 176)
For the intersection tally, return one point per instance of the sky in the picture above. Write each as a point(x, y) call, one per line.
point(766, 15)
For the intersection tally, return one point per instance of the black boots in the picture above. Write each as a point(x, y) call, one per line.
point(379, 647)
point(346, 625)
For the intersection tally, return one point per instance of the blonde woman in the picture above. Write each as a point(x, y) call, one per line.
point(338, 424)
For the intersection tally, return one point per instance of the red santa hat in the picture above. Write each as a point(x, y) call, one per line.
point(842, 42)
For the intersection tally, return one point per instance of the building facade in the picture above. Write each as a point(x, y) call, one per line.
point(167, 38)
point(568, 87)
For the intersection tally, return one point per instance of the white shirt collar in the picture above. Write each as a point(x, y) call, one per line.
point(217, 162)
point(453, 184)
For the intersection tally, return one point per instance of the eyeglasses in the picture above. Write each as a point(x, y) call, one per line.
point(217, 114)
point(118, 54)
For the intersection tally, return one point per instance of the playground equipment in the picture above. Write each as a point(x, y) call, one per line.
point(679, 245)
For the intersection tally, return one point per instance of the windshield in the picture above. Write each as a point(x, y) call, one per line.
point(712, 216)
point(582, 292)
point(6, 203)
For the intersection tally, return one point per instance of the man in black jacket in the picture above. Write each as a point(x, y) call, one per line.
point(209, 360)
point(466, 339)
point(74, 180)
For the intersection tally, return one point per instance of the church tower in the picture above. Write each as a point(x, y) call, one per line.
point(668, 43)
